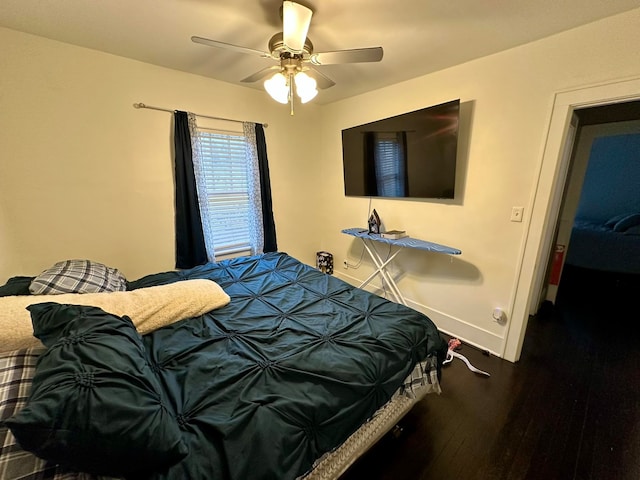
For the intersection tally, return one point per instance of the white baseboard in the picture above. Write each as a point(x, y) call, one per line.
point(454, 327)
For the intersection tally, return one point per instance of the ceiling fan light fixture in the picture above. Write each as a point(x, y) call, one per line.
point(306, 87)
point(294, 50)
point(295, 25)
point(277, 87)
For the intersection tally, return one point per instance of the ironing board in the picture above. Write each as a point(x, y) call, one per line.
point(369, 239)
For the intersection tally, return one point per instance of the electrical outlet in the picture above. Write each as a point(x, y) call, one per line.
point(499, 315)
point(345, 264)
point(516, 214)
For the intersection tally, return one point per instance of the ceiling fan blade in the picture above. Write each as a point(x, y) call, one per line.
point(259, 75)
point(296, 19)
point(356, 55)
point(228, 46)
point(322, 80)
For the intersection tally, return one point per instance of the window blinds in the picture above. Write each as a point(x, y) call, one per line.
point(224, 167)
point(389, 165)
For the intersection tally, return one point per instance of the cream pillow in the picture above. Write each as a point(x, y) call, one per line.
point(149, 308)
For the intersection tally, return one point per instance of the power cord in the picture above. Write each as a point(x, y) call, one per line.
point(359, 262)
point(355, 265)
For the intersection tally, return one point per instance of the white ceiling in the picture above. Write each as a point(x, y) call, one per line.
point(418, 36)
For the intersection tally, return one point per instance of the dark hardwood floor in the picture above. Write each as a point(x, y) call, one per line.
point(569, 409)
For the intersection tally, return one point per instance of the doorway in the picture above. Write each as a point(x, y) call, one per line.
point(547, 199)
point(589, 124)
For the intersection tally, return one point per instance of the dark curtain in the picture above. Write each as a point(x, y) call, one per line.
point(270, 244)
point(190, 246)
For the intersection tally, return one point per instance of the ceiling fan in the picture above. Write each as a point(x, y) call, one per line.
point(295, 71)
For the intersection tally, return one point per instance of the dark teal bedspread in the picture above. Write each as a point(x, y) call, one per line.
point(284, 373)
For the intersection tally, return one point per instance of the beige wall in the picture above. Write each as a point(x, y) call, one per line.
point(507, 100)
point(8, 262)
point(84, 174)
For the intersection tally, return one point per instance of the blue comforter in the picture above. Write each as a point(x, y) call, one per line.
point(286, 372)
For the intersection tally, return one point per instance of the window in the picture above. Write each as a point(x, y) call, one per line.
point(390, 164)
point(228, 192)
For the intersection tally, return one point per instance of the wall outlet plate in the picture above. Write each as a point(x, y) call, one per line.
point(516, 214)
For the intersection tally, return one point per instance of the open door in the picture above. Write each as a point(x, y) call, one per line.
point(531, 284)
point(559, 241)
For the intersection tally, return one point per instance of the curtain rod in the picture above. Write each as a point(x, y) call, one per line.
point(150, 107)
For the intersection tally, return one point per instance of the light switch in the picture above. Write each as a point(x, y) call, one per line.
point(516, 214)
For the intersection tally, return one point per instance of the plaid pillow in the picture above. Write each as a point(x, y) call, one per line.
point(78, 276)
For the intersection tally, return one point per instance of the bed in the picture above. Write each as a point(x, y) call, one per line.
point(294, 378)
point(611, 246)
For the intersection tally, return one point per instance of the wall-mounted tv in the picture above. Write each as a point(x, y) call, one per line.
point(412, 155)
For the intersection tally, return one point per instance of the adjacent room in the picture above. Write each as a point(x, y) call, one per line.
point(319, 239)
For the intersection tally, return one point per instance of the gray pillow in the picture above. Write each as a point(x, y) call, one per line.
point(78, 276)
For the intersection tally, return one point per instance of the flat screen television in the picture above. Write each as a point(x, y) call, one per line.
point(412, 155)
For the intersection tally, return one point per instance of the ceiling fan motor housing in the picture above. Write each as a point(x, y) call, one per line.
point(278, 48)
